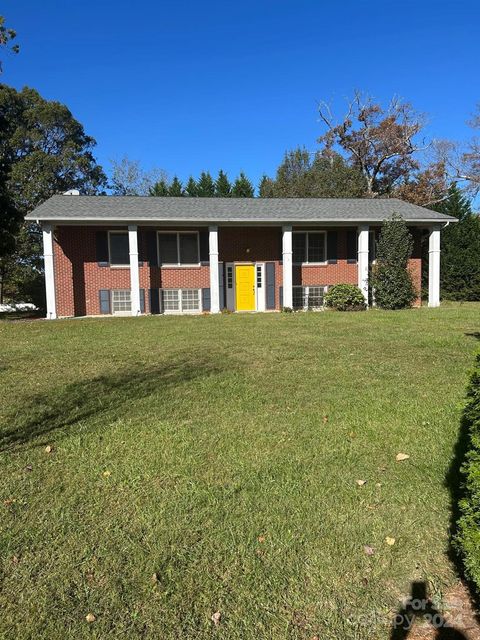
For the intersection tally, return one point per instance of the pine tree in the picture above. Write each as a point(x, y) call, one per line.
point(160, 189)
point(223, 188)
point(391, 280)
point(242, 187)
point(205, 186)
point(176, 188)
point(266, 188)
point(460, 257)
point(191, 189)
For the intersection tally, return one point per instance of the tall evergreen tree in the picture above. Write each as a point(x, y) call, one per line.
point(391, 280)
point(176, 188)
point(460, 257)
point(266, 188)
point(191, 189)
point(242, 187)
point(205, 185)
point(223, 188)
point(159, 189)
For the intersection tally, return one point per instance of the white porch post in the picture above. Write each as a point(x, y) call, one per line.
point(134, 272)
point(434, 267)
point(363, 232)
point(213, 258)
point(287, 266)
point(47, 231)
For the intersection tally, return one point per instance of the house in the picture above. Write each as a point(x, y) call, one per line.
point(134, 255)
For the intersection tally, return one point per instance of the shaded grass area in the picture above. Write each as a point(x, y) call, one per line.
point(221, 454)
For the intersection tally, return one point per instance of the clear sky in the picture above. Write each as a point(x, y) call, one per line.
point(188, 86)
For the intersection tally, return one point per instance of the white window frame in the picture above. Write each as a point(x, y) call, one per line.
point(316, 232)
point(180, 310)
point(178, 265)
point(124, 312)
point(118, 266)
point(306, 295)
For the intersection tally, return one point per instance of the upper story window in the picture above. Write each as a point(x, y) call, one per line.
point(178, 248)
point(309, 246)
point(118, 248)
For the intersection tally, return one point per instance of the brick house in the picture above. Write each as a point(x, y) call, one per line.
point(135, 255)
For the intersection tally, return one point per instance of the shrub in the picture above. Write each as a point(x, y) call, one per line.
point(345, 297)
point(467, 539)
point(391, 280)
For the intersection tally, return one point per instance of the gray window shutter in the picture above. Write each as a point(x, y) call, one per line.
point(152, 249)
point(280, 293)
point(155, 301)
point(221, 289)
point(332, 242)
point(270, 283)
point(142, 300)
point(352, 246)
point(104, 298)
point(204, 247)
point(205, 299)
point(101, 245)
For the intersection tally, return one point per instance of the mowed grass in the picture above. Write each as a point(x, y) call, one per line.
point(209, 464)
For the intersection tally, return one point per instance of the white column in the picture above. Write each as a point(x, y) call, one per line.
point(49, 271)
point(287, 266)
point(213, 258)
point(134, 272)
point(434, 267)
point(362, 267)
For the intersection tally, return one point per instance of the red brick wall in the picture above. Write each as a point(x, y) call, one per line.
point(78, 277)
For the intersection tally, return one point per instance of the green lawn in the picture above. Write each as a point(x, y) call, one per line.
point(196, 450)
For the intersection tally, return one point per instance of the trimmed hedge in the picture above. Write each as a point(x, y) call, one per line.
point(467, 538)
point(345, 297)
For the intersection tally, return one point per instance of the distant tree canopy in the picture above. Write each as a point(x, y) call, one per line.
point(322, 176)
point(130, 179)
point(205, 187)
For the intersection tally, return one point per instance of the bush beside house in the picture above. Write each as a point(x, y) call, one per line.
point(345, 297)
point(467, 539)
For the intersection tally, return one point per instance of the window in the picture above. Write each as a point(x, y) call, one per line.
point(118, 248)
point(178, 248)
point(306, 298)
point(121, 301)
point(259, 277)
point(180, 300)
point(229, 277)
point(309, 246)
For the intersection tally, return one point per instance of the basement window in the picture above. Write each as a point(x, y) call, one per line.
point(308, 298)
point(180, 300)
point(121, 302)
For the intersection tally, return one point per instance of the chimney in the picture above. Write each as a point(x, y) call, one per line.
point(72, 192)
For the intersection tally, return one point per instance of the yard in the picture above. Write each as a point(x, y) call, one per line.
point(161, 469)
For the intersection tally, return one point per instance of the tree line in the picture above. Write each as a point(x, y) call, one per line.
point(372, 151)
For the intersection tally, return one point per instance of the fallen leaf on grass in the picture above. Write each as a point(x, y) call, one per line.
point(106, 474)
point(216, 618)
point(9, 501)
point(48, 448)
point(325, 419)
point(360, 483)
point(368, 550)
point(90, 617)
point(29, 467)
point(390, 541)
point(401, 456)
point(154, 577)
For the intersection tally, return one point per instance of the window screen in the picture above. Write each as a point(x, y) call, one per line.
point(118, 247)
point(188, 248)
point(167, 248)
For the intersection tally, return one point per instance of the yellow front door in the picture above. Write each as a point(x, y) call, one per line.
point(245, 287)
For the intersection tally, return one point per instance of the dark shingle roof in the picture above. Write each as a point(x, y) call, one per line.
point(228, 210)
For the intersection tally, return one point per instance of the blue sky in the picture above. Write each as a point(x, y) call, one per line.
point(188, 86)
